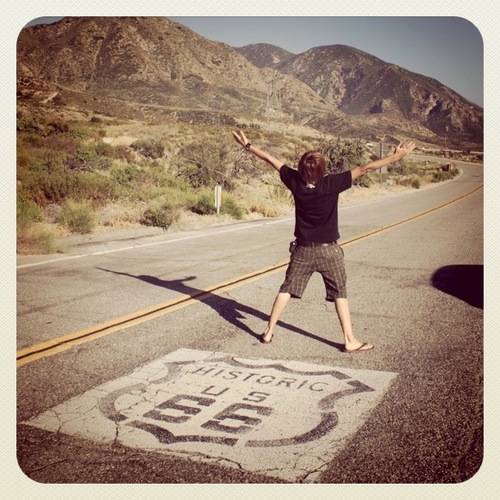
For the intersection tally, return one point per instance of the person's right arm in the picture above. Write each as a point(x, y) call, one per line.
point(271, 160)
point(399, 152)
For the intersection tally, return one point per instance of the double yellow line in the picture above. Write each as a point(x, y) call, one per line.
point(57, 345)
point(54, 346)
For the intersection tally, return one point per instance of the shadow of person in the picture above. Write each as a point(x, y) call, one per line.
point(229, 309)
point(466, 282)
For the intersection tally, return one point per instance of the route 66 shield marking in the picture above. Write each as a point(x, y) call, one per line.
point(285, 419)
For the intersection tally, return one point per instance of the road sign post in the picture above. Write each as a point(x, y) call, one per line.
point(218, 198)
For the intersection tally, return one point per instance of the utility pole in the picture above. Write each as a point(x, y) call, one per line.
point(275, 84)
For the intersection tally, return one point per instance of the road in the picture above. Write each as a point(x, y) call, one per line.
point(187, 394)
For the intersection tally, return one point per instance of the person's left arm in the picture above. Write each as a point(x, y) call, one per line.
point(400, 151)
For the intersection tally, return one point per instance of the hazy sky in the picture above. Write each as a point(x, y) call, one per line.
point(449, 49)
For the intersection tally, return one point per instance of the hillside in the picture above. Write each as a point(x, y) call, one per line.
point(359, 84)
point(149, 61)
point(149, 68)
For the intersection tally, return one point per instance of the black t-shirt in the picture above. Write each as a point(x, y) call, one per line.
point(316, 213)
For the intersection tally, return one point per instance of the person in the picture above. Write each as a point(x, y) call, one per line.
point(316, 231)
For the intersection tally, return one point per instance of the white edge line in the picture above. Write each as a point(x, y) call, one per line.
point(164, 242)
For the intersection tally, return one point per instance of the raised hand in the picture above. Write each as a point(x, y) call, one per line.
point(403, 150)
point(240, 138)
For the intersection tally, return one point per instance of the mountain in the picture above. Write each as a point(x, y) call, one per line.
point(147, 68)
point(264, 55)
point(362, 85)
point(152, 61)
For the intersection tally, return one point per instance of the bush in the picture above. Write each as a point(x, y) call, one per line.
point(204, 204)
point(161, 214)
point(27, 212)
point(278, 192)
point(92, 156)
point(342, 155)
point(44, 187)
point(365, 181)
point(206, 163)
point(123, 174)
point(266, 209)
point(230, 207)
point(440, 176)
point(151, 148)
point(82, 132)
point(412, 181)
point(78, 217)
point(157, 175)
point(29, 124)
point(405, 167)
point(34, 239)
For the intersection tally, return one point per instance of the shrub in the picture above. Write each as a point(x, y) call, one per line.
point(415, 184)
point(280, 193)
point(206, 164)
point(204, 204)
point(230, 207)
point(62, 143)
point(152, 148)
point(82, 132)
point(343, 154)
point(34, 239)
point(158, 176)
point(440, 175)
point(94, 156)
point(266, 209)
point(161, 214)
point(27, 212)
point(44, 187)
point(124, 173)
point(77, 216)
point(412, 181)
point(404, 167)
point(124, 153)
point(365, 181)
point(29, 124)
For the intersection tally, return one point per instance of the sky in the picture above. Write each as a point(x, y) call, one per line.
point(449, 49)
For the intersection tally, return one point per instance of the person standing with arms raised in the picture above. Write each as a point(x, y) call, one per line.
point(316, 230)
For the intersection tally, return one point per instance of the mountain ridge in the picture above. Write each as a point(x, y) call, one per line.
point(157, 62)
point(359, 84)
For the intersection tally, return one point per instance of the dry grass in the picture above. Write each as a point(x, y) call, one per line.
point(256, 188)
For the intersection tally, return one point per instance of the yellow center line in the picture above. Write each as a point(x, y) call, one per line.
point(59, 344)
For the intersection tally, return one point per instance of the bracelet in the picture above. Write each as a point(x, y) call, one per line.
point(247, 146)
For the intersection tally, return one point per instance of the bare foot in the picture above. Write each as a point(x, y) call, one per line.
point(358, 347)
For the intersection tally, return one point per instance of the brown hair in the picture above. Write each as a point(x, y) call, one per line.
point(312, 167)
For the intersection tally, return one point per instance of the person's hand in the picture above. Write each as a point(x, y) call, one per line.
point(402, 150)
point(240, 138)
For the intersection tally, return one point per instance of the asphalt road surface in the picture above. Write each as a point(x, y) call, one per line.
point(158, 375)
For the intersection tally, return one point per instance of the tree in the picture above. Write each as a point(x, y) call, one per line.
point(342, 154)
point(205, 163)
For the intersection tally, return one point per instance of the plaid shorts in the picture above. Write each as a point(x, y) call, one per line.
point(327, 260)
